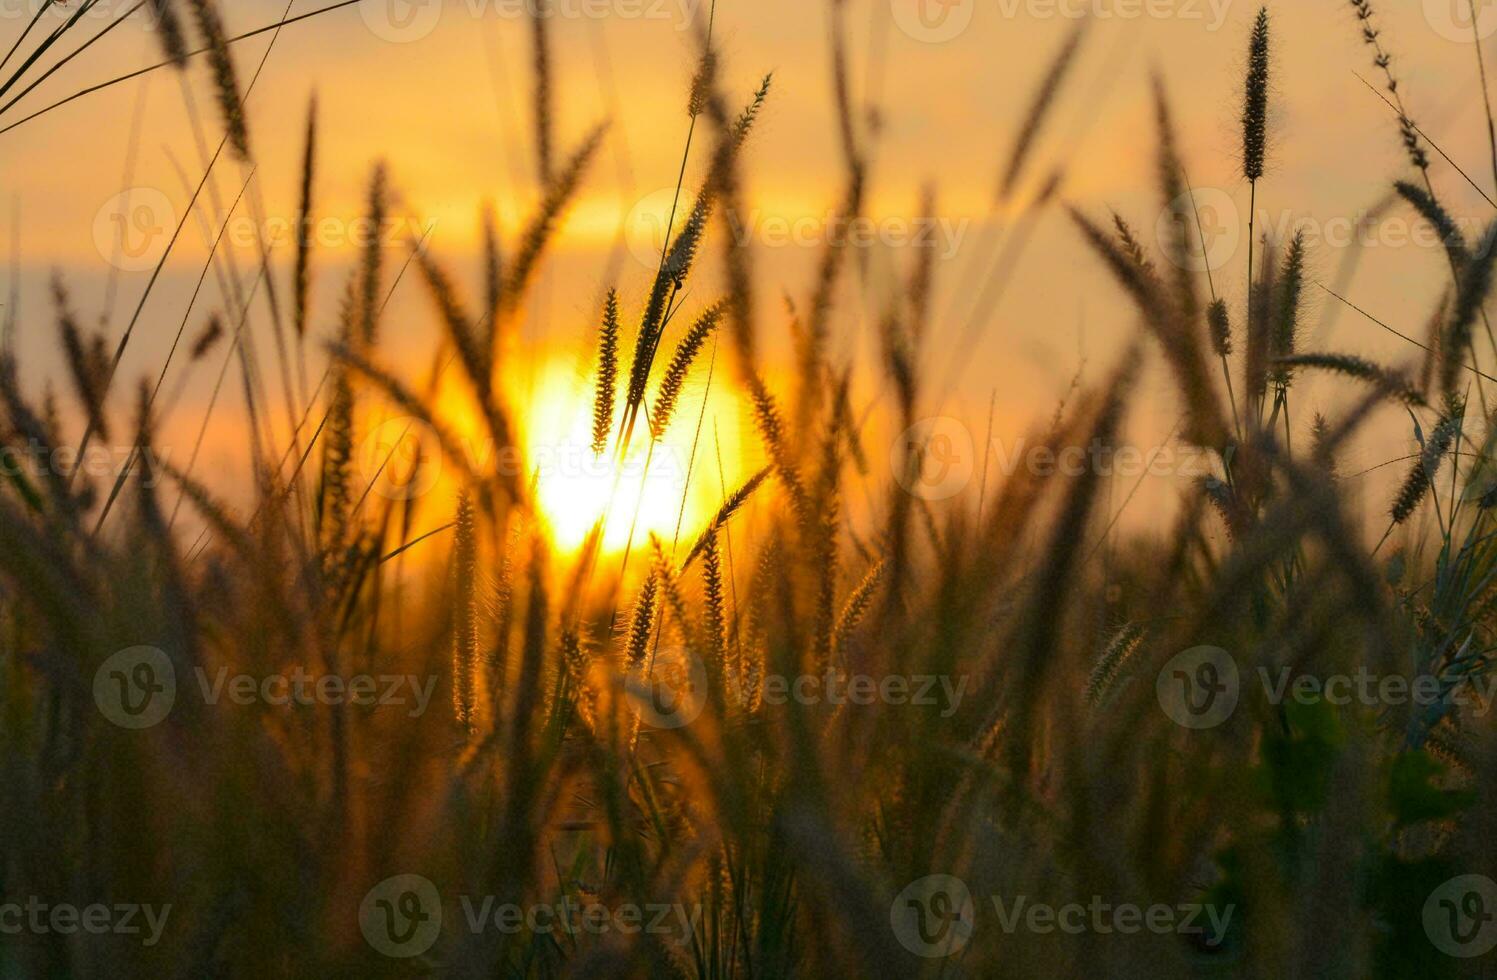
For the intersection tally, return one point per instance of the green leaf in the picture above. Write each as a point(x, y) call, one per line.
point(1413, 795)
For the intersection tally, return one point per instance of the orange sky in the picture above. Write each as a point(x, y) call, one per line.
point(440, 90)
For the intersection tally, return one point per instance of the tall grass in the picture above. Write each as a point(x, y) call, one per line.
point(598, 736)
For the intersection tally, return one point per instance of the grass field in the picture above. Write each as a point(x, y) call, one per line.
point(488, 677)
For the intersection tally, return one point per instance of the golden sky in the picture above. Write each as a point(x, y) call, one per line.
point(440, 90)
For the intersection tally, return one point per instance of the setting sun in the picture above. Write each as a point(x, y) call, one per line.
point(641, 492)
point(575, 488)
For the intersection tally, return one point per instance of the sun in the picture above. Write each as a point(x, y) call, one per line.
point(644, 491)
point(669, 488)
point(576, 488)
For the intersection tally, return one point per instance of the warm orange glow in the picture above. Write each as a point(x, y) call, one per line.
point(575, 489)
